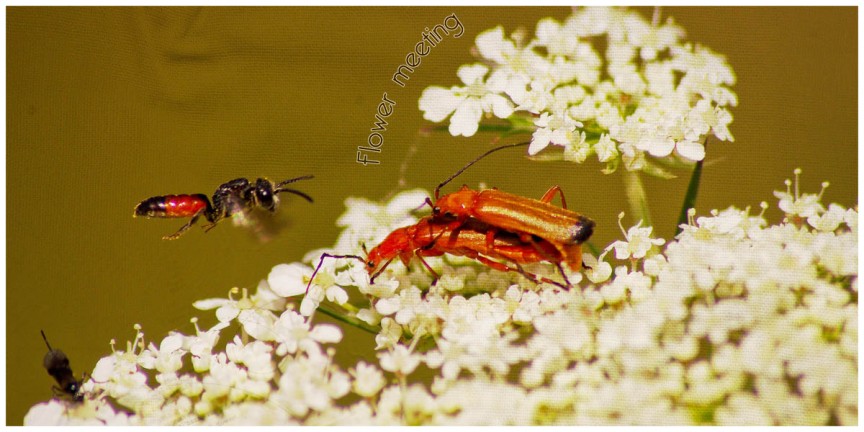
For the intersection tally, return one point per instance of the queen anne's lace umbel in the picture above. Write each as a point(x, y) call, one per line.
point(735, 321)
point(650, 93)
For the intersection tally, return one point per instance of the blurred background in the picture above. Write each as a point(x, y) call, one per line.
point(109, 106)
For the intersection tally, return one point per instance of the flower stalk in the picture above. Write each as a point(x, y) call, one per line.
point(637, 198)
point(350, 320)
point(690, 196)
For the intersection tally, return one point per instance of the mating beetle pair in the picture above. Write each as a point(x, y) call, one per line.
point(487, 225)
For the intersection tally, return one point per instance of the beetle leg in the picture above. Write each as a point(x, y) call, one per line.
point(547, 197)
point(372, 278)
point(490, 238)
point(563, 275)
point(550, 259)
point(435, 276)
point(530, 276)
point(454, 235)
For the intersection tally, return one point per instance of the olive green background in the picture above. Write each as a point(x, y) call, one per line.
point(109, 106)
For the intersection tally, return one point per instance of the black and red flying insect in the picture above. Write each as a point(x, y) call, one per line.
point(236, 197)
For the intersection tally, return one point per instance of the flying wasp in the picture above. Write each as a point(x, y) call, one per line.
point(236, 197)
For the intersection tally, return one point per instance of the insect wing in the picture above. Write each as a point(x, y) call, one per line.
point(263, 224)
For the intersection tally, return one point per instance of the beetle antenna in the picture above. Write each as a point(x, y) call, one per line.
point(437, 189)
point(46, 340)
point(321, 261)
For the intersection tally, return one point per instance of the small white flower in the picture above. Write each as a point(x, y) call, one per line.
point(466, 103)
point(49, 413)
point(390, 334)
point(288, 280)
point(606, 149)
point(828, 221)
point(252, 312)
point(524, 305)
point(256, 356)
point(614, 292)
point(257, 323)
point(851, 220)
point(293, 332)
point(796, 204)
point(558, 40)
point(167, 358)
point(311, 300)
point(368, 380)
point(638, 241)
point(597, 270)
point(399, 360)
point(201, 345)
point(552, 129)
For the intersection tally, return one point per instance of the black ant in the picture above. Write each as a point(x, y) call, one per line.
point(57, 364)
point(237, 196)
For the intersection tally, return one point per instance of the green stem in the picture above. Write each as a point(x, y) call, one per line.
point(690, 197)
point(637, 198)
point(326, 310)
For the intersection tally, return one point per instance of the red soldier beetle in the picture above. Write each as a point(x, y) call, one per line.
point(526, 217)
point(429, 237)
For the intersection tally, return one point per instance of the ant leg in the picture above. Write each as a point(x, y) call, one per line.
point(547, 197)
point(183, 229)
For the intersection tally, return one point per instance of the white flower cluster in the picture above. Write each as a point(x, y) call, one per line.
point(734, 322)
point(651, 93)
